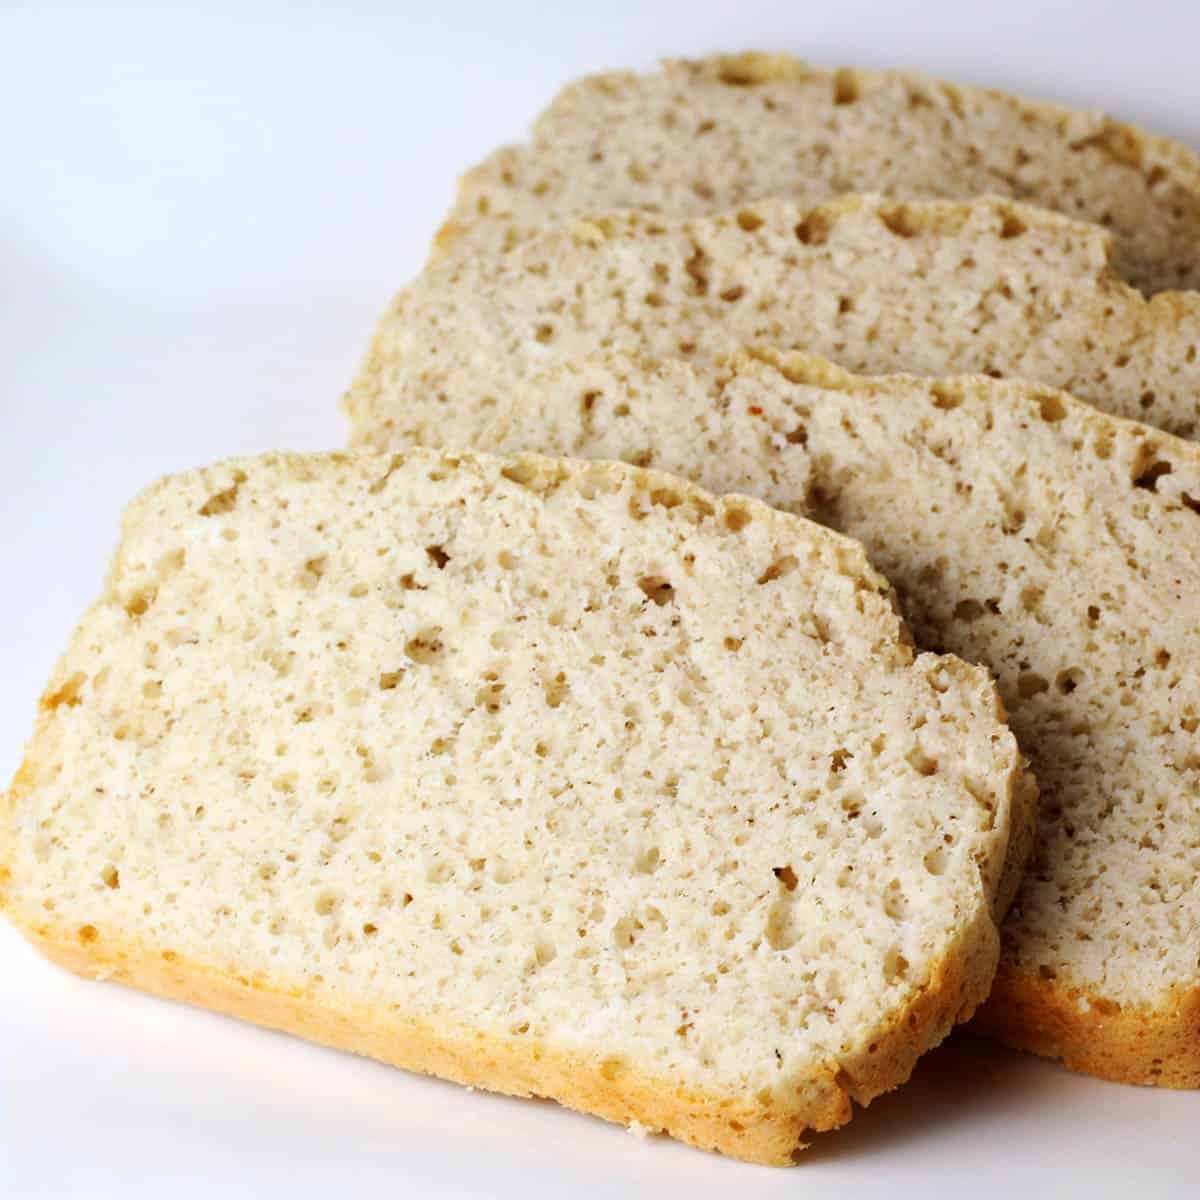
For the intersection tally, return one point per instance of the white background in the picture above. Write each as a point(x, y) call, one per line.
point(201, 211)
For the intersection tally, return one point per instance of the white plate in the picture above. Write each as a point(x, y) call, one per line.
point(202, 212)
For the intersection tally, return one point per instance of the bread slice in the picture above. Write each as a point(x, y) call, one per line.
point(1023, 530)
point(932, 287)
point(560, 779)
point(702, 137)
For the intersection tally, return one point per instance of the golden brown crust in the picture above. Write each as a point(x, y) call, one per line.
point(735, 1125)
point(741, 1126)
point(1155, 1047)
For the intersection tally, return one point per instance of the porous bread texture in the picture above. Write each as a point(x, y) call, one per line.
point(702, 137)
point(1023, 530)
point(558, 779)
point(931, 287)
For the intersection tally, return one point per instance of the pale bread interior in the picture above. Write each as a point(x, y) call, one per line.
point(570, 753)
point(701, 137)
point(1023, 530)
point(931, 287)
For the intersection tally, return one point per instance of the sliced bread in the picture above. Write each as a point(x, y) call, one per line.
point(931, 287)
point(1024, 530)
point(562, 779)
point(703, 137)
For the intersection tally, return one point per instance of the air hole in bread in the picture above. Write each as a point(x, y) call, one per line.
point(625, 933)
point(895, 966)
point(895, 903)
point(814, 230)
point(1051, 408)
point(647, 861)
point(1148, 475)
point(935, 862)
point(666, 498)
point(780, 932)
point(490, 697)
point(945, 396)
point(846, 86)
point(779, 568)
point(697, 268)
point(224, 501)
point(524, 474)
point(1012, 226)
point(787, 877)
point(737, 72)
point(968, 610)
point(900, 220)
point(139, 602)
point(1068, 681)
point(313, 571)
point(426, 647)
point(657, 589)
point(555, 690)
point(1030, 684)
point(921, 762)
point(736, 517)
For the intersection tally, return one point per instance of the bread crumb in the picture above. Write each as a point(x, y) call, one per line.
point(845, 130)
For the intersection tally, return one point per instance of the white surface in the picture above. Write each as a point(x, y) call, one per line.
point(202, 211)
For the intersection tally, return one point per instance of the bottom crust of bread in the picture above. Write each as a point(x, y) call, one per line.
point(737, 1125)
point(1154, 1047)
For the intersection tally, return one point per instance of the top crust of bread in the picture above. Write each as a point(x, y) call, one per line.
point(704, 136)
point(555, 777)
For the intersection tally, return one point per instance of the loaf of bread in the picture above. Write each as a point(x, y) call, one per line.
point(563, 779)
point(1023, 530)
point(931, 287)
point(703, 137)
